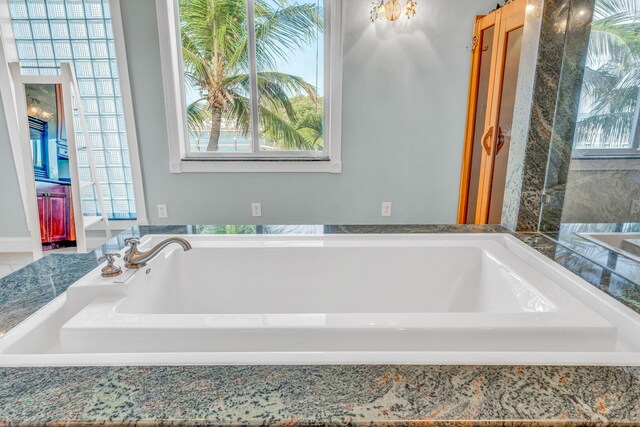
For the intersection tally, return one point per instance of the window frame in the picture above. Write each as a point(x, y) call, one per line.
point(632, 152)
point(606, 153)
point(181, 160)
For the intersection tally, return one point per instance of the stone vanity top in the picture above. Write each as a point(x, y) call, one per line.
point(310, 395)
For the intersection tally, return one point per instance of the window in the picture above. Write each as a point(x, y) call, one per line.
point(609, 112)
point(47, 32)
point(251, 82)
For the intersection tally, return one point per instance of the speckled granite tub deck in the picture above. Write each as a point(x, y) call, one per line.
point(310, 395)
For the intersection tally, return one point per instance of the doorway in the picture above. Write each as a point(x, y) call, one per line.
point(50, 157)
point(497, 44)
point(46, 109)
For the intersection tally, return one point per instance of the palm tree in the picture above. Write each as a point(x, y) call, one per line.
point(308, 120)
point(216, 57)
point(610, 89)
point(226, 229)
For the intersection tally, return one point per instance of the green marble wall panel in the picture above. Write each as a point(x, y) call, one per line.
point(533, 123)
point(566, 111)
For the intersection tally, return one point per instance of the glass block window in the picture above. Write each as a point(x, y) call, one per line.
point(48, 32)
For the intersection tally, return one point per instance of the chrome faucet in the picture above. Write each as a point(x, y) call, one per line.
point(135, 259)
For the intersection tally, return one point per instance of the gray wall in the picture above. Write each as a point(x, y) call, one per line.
point(404, 102)
point(12, 218)
point(602, 191)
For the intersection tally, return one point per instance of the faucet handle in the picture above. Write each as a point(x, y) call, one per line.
point(110, 270)
point(132, 241)
point(111, 257)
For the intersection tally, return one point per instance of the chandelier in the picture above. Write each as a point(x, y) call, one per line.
point(392, 9)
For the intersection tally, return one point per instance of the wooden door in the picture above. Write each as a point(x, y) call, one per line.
point(479, 85)
point(494, 68)
point(58, 221)
point(71, 226)
point(55, 214)
point(42, 214)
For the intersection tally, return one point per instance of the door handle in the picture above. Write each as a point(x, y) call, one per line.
point(486, 140)
point(501, 139)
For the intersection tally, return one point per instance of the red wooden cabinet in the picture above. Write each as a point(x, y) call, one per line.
point(58, 220)
point(42, 216)
point(55, 212)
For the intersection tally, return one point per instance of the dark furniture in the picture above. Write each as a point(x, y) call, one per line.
point(56, 215)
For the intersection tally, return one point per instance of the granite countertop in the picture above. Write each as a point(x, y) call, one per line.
point(310, 395)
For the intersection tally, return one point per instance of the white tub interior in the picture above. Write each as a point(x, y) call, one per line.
point(334, 279)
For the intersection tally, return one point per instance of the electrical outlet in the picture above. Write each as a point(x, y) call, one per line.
point(635, 206)
point(256, 209)
point(162, 211)
point(386, 209)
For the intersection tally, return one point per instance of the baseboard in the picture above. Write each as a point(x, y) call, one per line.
point(15, 244)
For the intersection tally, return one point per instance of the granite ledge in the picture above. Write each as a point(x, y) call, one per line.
point(321, 395)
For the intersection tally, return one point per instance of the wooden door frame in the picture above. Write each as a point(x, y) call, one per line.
point(481, 23)
point(509, 18)
point(504, 20)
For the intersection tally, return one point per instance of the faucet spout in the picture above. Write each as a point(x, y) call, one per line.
point(135, 259)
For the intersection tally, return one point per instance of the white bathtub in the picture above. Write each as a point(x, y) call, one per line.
point(441, 298)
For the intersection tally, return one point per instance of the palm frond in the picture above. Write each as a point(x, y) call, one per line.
point(283, 30)
point(630, 79)
point(611, 80)
point(313, 126)
point(274, 88)
point(226, 229)
point(239, 112)
point(612, 129)
point(214, 30)
point(283, 130)
point(616, 11)
point(608, 52)
point(292, 85)
point(198, 114)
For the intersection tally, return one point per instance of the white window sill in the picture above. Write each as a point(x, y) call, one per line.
point(322, 166)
